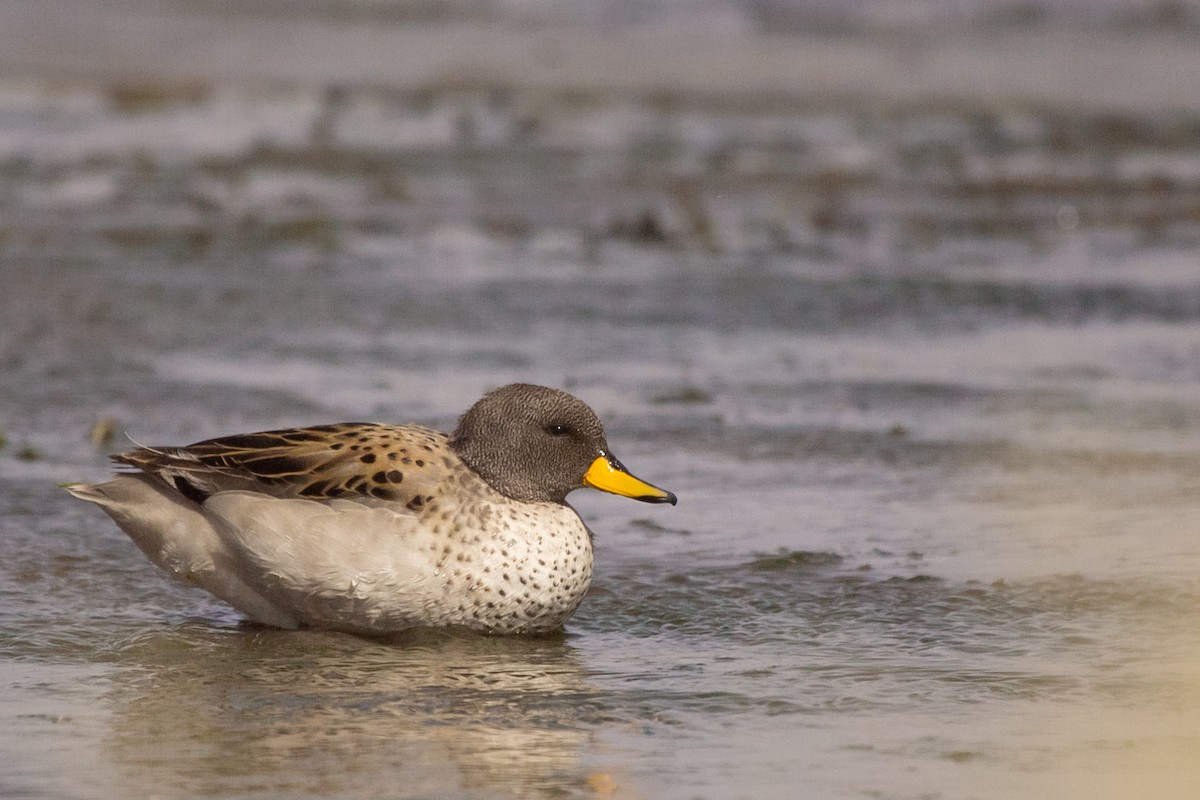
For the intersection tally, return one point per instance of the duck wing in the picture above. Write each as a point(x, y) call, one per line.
point(367, 462)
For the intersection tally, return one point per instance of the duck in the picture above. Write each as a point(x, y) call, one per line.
point(374, 529)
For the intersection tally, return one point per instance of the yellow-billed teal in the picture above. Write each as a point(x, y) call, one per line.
point(377, 528)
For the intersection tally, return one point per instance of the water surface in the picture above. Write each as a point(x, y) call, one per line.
point(925, 381)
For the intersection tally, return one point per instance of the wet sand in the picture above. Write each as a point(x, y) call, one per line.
point(710, 60)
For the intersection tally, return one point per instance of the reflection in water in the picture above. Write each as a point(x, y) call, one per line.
point(215, 713)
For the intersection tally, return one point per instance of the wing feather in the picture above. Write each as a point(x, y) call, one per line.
point(351, 460)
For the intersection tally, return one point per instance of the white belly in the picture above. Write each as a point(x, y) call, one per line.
point(485, 566)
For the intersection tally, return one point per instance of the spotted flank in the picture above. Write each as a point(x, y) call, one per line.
point(374, 528)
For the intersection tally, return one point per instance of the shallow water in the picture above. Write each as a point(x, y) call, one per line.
point(924, 379)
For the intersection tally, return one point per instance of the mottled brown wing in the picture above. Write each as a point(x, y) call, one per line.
point(350, 460)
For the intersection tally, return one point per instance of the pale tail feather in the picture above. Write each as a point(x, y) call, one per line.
point(180, 540)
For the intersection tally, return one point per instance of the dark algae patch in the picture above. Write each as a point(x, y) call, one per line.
point(795, 559)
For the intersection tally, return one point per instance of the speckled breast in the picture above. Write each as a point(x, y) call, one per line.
point(505, 567)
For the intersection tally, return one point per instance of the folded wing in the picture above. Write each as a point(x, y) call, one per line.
point(354, 461)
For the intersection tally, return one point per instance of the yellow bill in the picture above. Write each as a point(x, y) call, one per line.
point(609, 475)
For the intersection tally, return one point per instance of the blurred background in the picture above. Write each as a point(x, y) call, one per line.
point(901, 298)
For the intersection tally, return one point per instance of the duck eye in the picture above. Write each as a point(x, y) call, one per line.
point(557, 430)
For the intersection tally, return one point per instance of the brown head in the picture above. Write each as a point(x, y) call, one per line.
point(537, 444)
